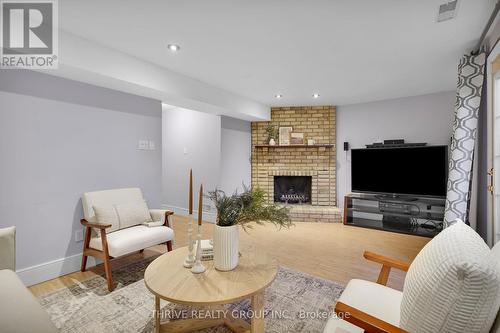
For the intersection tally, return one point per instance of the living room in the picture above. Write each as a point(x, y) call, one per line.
point(249, 167)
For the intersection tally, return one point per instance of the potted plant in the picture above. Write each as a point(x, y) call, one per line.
point(241, 210)
point(272, 134)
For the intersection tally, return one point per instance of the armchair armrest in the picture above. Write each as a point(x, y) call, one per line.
point(86, 223)
point(161, 215)
point(8, 248)
point(365, 321)
point(387, 264)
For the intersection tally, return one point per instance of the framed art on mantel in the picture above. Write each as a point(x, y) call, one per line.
point(284, 136)
point(297, 138)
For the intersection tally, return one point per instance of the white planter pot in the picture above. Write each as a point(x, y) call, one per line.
point(272, 142)
point(226, 247)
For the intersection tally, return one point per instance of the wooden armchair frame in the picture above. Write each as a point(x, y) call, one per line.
point(104, 254)
point(362, 319)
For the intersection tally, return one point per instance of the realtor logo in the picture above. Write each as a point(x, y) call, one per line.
point(28, 35)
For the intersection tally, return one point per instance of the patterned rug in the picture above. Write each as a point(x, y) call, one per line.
point(295, 302)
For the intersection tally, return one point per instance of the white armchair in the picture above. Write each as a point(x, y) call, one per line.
point(8, 248)
point(453, 285)
point(20, 311)
point(125, 232)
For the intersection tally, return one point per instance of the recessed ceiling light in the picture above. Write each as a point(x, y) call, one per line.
point(278, 96)
point(315, 95)
point(173, 47)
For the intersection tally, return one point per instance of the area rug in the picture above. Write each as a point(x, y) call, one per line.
point(295, 302)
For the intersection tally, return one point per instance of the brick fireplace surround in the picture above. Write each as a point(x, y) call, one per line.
point(318, 162)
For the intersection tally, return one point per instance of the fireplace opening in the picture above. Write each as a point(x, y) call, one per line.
point(292, 189)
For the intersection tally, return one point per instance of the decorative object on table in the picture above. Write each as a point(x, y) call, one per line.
point(284, 135)
point(207, 250)
point(297, 138)
point(272, 134)
point(311, 142)
point(188, 263)
point(241, 210)
point(198, 266)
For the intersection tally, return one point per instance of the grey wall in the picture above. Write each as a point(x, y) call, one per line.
point(217, 148)
point(236, 143)
point(426, 118)
point(65, 139)
point(191, 140)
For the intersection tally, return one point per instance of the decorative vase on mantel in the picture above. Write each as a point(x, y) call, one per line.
point(226, 247)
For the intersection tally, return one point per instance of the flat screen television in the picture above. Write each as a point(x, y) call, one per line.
point(412, 171)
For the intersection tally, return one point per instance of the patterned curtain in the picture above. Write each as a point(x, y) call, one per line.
point(470, 85)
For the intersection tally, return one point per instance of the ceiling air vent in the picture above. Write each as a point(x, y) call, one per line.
point(447, 11)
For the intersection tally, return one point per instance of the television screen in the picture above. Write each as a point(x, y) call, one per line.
point(419, 171)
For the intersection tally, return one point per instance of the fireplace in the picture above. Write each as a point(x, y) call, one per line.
point(292, 189)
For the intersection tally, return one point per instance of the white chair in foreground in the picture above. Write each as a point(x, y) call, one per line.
point(20, 311)
point(118, 222)
point(453, 285)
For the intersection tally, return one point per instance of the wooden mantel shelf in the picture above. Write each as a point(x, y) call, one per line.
point(296, 146)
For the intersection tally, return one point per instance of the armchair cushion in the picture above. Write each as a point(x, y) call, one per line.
point(125, 241)
point(452, 285)
point(372, 298)
point(8, 248)
point(20, 311)
point(107, 215)
point(132, 213)
point(108, 198)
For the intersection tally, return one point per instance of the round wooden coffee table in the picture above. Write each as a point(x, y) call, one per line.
point(167, 279)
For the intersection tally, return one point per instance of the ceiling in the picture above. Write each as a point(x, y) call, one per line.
point(347, 51)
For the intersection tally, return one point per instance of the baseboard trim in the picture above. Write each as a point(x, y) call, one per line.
point(53, 269)
point(207, 216)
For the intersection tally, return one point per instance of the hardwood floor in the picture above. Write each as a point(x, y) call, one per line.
point(328, 250)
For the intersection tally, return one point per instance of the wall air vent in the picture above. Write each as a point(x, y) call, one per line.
point(447, 11)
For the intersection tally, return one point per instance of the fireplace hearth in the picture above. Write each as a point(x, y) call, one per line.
point(292, 189)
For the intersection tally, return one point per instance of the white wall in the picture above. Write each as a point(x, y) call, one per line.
point(191, 140)
point(52, 151)
point(426, 118)
point(236, 151)
point(217, 148)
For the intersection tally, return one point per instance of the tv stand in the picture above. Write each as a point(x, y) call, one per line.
point(407, 215)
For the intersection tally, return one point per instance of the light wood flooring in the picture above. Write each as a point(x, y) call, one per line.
point(328, 250)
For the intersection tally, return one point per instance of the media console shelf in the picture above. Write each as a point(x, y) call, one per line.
point(414, 216)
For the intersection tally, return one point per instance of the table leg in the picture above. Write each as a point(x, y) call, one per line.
point(257, 325)
point(157, 314)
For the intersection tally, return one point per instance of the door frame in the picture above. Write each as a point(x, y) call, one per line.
point(492, 232)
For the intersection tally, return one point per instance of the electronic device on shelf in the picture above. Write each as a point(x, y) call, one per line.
point(398, 207)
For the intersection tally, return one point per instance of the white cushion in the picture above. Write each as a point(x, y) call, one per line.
point(372, 298)
point(452, 285)
point(8, 248)
point(495, 257)
point(107, 198)
point(20, 311)
point(125, 241)
point(336, 325)
point(107, 215)
point(132, 213)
